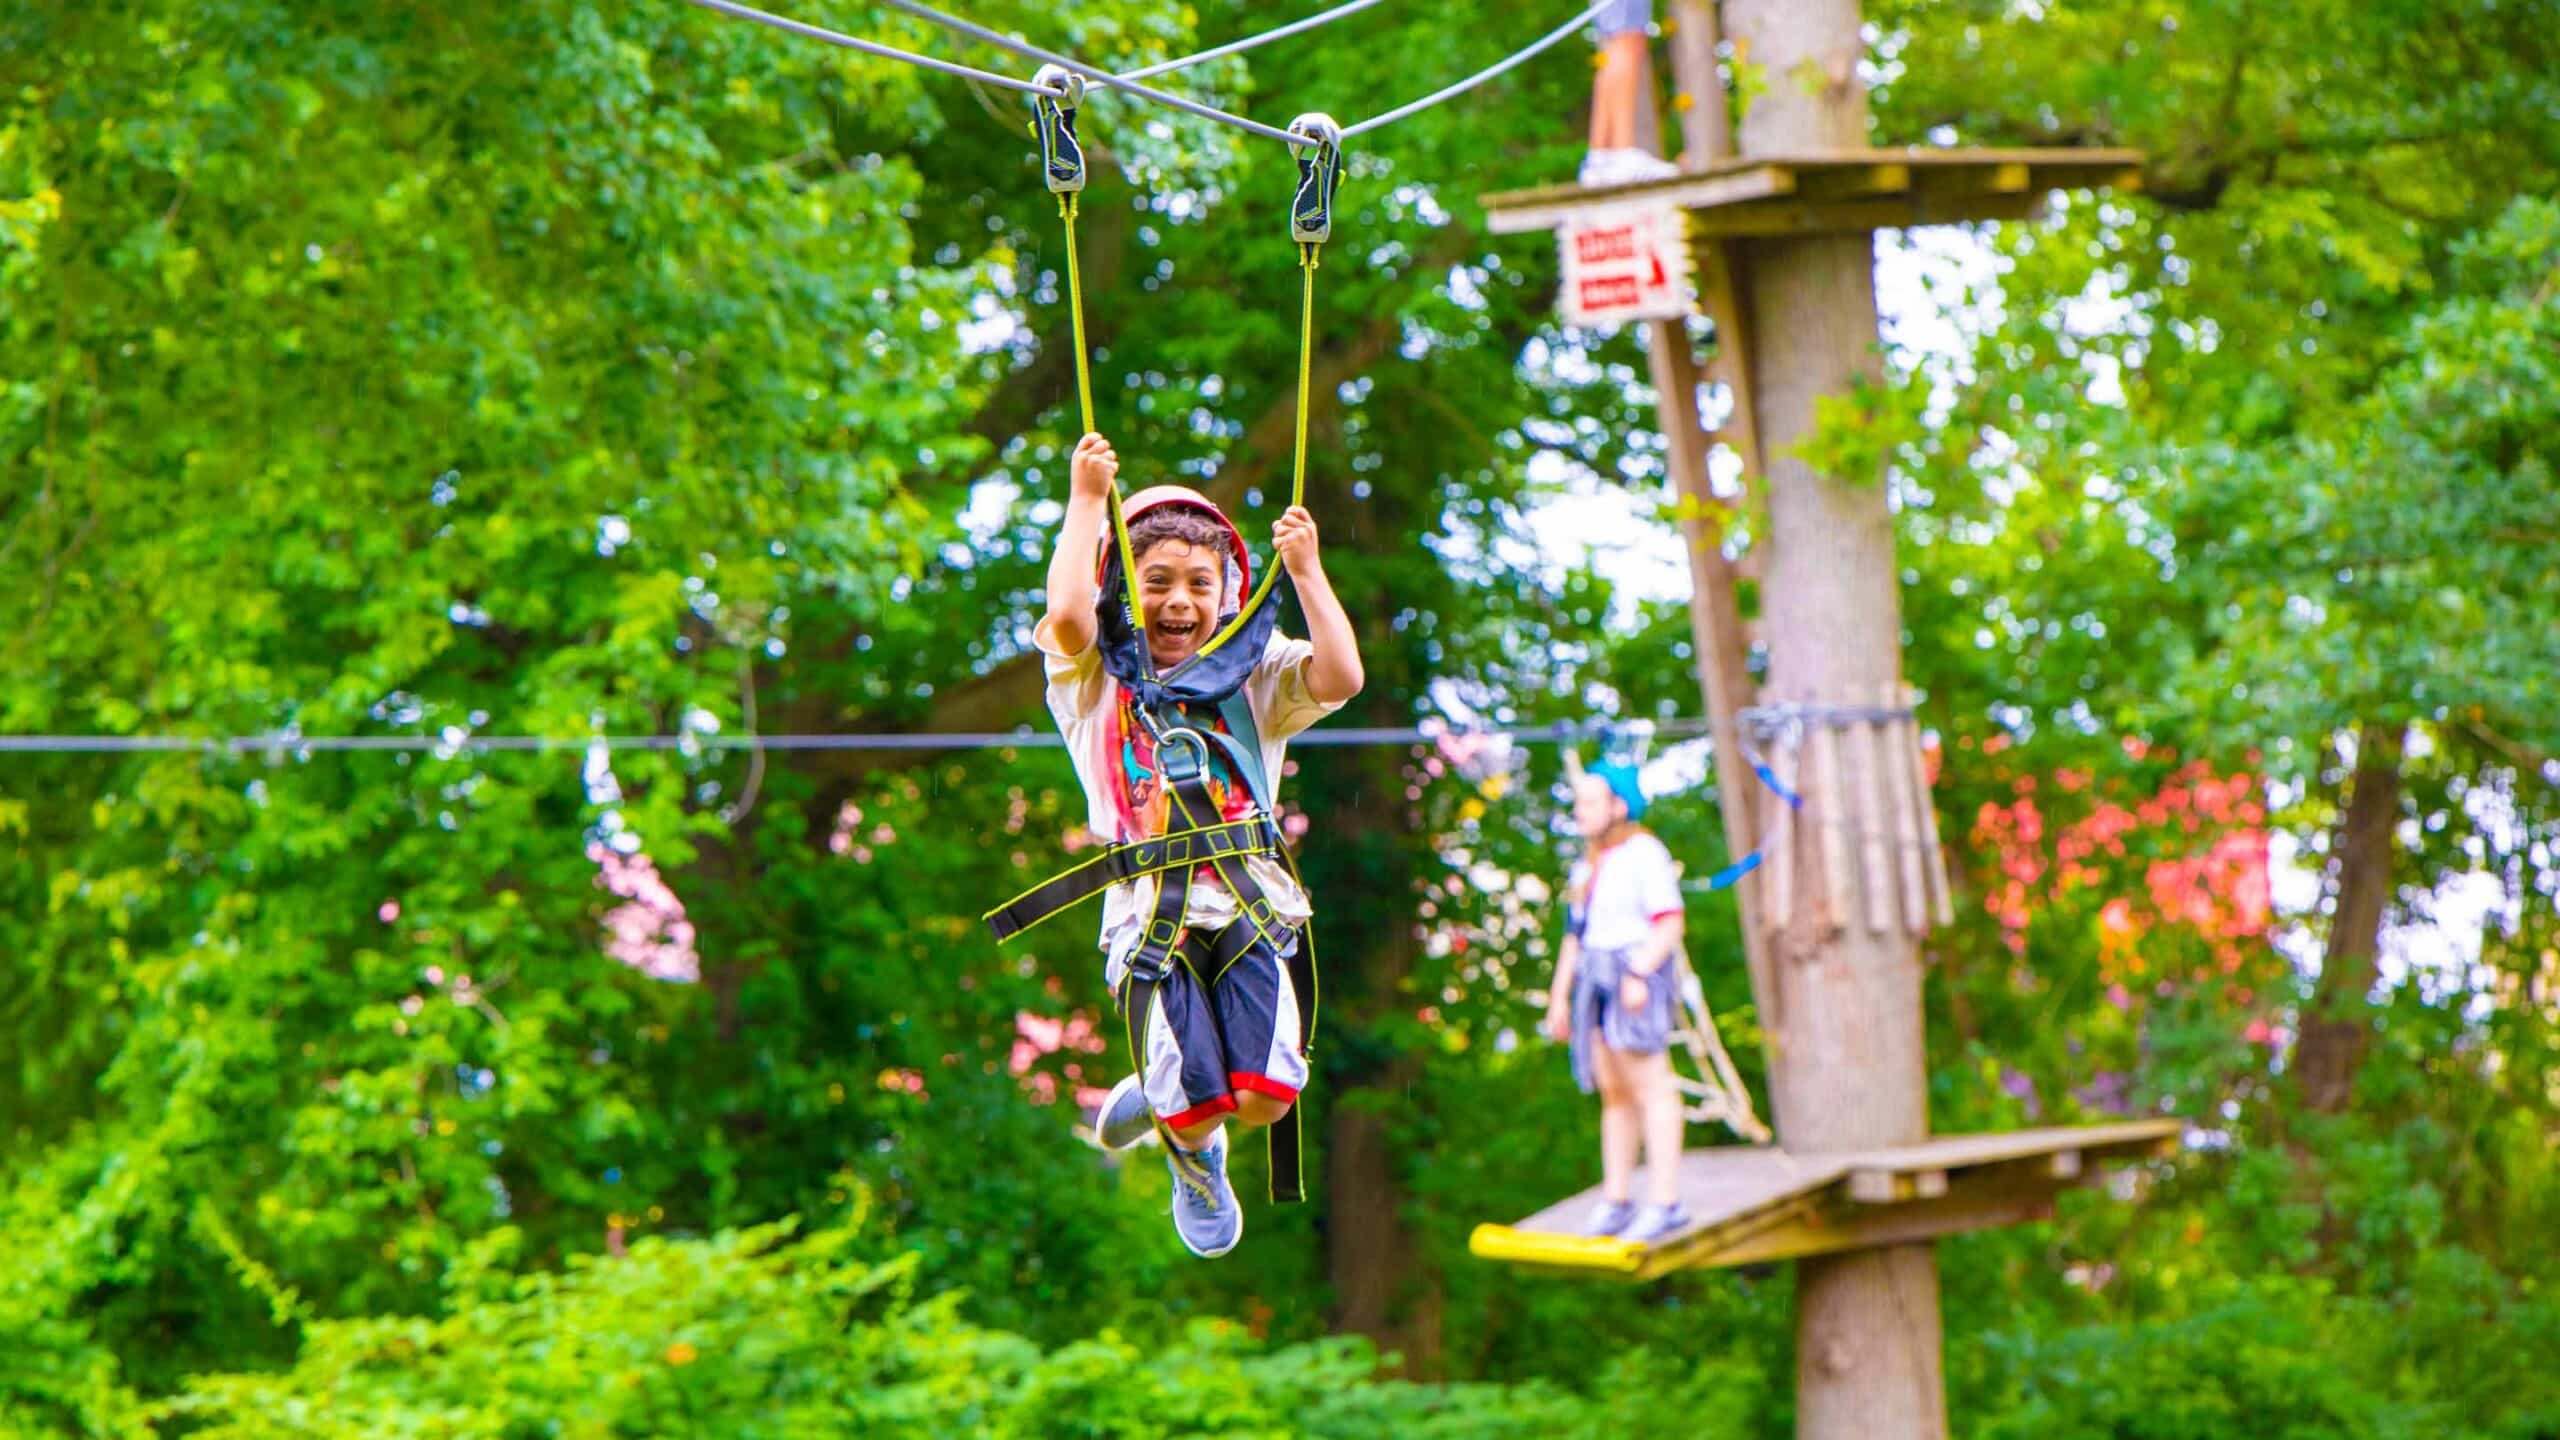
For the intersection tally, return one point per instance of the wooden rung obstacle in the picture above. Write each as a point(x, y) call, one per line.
point(1752, 1205)
point(1864, 847)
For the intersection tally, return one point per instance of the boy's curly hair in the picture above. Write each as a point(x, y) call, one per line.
point(1183, 523)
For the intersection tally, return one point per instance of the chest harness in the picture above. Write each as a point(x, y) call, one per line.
point(1196, 715)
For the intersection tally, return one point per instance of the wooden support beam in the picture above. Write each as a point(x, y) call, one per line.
point(1854, 181)
point(1948, 186)
point(1885, 1225)
point(1719, 645)
point(1850, 216)
point(1518, 211)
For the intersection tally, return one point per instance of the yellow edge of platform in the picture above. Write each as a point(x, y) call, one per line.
point(1572, 1252)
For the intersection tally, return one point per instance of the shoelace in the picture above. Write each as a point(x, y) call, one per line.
point(1194, 1173)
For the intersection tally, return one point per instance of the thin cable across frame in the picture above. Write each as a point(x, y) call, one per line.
point(1516, 59)
point(1094, 73)
point(869, 47)
point(1251, 42)
point(1130, 83)
point(291, 743)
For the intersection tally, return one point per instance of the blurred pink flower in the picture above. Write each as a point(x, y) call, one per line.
point(649, 933)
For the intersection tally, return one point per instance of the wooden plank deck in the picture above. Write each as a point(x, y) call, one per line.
point(1829, 192)
point(1753, 1204)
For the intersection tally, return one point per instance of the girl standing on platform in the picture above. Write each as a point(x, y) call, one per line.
point(1612, 999)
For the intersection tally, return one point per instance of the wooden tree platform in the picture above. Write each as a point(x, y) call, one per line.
point(1748, 1206)
point(1842, 191)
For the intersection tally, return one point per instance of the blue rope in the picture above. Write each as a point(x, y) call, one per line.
point(1732, 874)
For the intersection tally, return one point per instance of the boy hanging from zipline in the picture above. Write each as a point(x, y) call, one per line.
point(1222, 1042)
point(1614, 999)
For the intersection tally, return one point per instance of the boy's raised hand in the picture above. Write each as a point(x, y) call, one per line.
point(1095, 469)
point(1295, 538)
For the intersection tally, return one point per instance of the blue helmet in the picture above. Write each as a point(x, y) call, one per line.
point(1626, 781)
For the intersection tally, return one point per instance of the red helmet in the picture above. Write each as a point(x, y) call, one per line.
point(1156, 497)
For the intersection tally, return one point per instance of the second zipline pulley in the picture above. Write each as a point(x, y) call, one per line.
point(1211, 678)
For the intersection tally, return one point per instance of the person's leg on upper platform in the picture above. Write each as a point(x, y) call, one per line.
point(1617, 89)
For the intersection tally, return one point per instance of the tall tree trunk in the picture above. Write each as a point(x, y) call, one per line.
point(1364, 858)
point(1849, 1040)
point(1364, 919)
point(2336, 1027)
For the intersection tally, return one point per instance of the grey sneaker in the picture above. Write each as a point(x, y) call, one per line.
point(1658, 1222)
point(1205, 1212)
point(1611, 1217)
point(1124, 1118)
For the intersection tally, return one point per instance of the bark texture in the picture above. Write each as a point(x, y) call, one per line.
point(2335, 1032)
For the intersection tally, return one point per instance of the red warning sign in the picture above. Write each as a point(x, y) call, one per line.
point(1626, 264)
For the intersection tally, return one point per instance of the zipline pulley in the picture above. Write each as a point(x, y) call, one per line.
point(1319, 152)
point(1053, 123)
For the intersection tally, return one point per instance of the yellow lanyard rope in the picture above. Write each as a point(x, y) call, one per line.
point(1084, 400)
point(1308, 258)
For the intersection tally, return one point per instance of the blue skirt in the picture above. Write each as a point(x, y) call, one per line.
point(1642, 1031)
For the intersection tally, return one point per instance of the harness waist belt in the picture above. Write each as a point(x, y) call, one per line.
point(1206, 844)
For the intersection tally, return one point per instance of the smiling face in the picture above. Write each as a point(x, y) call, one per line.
point(1596, 808)
point(1180, 585)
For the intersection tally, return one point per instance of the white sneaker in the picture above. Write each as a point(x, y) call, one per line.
point(1640, 166)
point(1623, 167)
point(1205, 1211)
point(1124, 1118)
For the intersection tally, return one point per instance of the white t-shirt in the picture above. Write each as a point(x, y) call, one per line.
point(1624, 889)
point(1123, 802)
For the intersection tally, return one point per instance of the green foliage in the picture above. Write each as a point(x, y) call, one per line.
point(764, 1333)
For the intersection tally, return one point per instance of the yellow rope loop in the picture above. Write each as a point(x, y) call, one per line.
point(1084, 401)
point(1307, 262)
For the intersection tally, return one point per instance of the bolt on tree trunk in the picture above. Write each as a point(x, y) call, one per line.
point(1849, 1045)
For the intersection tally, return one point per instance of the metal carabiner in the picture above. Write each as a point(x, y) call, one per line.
point(1053, 123)
point(1319, 152)
point(1169, 739)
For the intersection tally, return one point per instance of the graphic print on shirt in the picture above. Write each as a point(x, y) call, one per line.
point(1139, 792)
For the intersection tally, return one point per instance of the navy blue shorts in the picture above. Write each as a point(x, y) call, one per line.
point(1214, 1037)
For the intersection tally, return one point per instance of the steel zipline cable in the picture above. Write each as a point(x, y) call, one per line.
point(1093, 73)
point(1132, 82)
point(869, 47)
point(1516, 59)
point(1252, 42)
point(291, 743)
